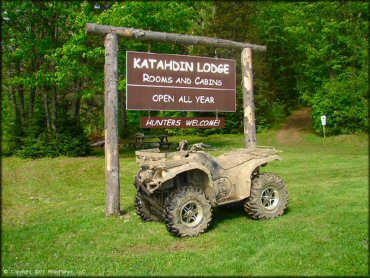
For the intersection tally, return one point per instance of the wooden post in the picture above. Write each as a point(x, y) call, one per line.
point(111, 34)
point(248, 100)
point(144, 35)
point(111, 124)
point(323, 129)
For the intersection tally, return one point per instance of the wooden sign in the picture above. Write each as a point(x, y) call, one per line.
point(183, 122)
point(179, 83)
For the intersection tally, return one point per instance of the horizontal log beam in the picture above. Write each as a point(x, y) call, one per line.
point(138, 34)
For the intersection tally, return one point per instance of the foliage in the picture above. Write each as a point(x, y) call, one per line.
point(52, 65)
point(55, 145)
point(69, 140)
point(308, 46)
point(12, 138)
point(332, 41)
point(345, 101)
point(314, 47)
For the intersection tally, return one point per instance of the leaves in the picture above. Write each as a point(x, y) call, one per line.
point(316, 55)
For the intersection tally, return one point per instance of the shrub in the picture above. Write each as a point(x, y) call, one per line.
point(12, 137)
point(48, 145)
point(345, 103)
point(69, 140)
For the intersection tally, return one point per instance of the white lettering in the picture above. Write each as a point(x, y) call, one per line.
point(185, 99)
point(213, 68)
point(168, 65)
point(152, 61)
point(180, 66)
point(182, 80)
point(226, 68)
point(136, 63)
point(208, 82)
point(185, 66)
point(163, 98)
point(157, 78)
point(145, 64)
point(160, 65)
point(204, 99)
point(163, 122)
point(175, 66)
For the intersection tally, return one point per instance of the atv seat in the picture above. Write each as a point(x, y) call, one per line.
point(235, 158)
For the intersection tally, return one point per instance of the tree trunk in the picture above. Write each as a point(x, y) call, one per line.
point(76, 108)
point(21, 102)
point(54, 40)
point(248, 100)
point(47, 110)
point(31, 104)
point(33, 92)
point(111, 124)
point(21, 95)
point(14, 100)
point(54, 105)
point(76, 104)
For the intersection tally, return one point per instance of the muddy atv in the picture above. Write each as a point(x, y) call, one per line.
point(182, 187)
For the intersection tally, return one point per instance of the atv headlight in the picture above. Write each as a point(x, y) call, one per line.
point(164, 173)
point(159, 174)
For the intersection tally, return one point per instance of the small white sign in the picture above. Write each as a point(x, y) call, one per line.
point(323, 120)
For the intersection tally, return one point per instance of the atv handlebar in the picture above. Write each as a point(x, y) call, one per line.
point(197, 146)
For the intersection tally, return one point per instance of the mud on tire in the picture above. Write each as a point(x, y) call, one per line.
point(269, 197)
point(188, 212)
point(143, 209)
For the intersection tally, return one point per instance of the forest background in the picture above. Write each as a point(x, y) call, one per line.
point(53, 82)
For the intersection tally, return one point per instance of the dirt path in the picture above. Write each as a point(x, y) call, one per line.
point(296, 124)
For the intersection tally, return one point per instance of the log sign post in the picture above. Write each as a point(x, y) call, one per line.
point(206, 95)
point(248, 100)
point(111, 124)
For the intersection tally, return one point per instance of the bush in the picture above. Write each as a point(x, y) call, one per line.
point(269, 114)
point(345, 103)
point(12, 137)
point(69, 140)
point(36, 148)
point(55, 145)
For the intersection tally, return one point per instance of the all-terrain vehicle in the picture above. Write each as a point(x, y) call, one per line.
point(182, 187)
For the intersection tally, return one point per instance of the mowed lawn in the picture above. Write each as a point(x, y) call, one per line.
point(54, 223)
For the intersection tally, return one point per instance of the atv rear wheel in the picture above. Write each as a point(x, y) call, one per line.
point(188, 212)
point(269, 197)
point(143, 209)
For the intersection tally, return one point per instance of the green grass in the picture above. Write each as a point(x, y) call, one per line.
point(53, 218)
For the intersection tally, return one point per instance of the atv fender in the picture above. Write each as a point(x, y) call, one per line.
point(196, 174)
point(244, 173)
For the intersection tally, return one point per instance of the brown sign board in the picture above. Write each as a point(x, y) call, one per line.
point(179, 83)
point(182, 122)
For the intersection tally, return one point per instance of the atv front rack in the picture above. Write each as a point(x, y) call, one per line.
point(153, 158)
point(149, 154)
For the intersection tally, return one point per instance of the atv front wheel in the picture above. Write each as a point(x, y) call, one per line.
point(188, 212)
point(269, 197)
point(143, 209)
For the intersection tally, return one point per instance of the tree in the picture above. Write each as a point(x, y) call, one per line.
point(33, 30)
